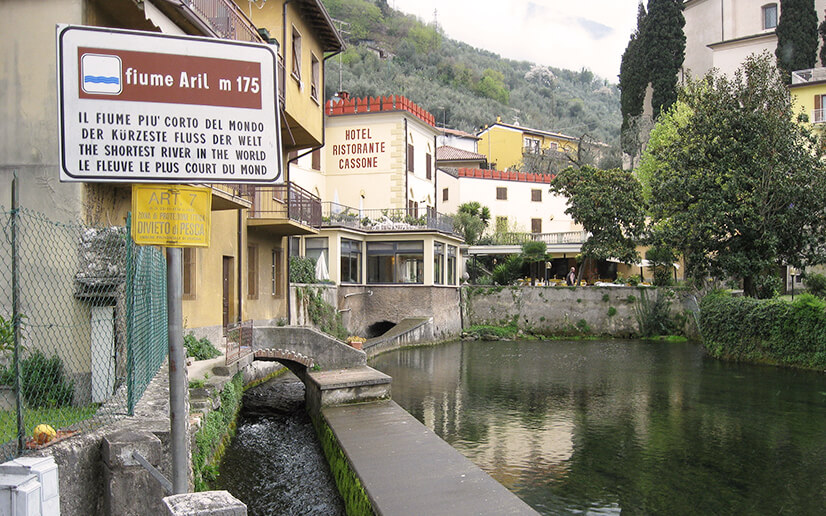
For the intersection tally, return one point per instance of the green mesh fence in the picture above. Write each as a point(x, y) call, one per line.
point(91, 322)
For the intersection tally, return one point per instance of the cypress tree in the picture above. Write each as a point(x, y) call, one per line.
point(665, 48)
point(822, 29)
point(796, 36)
point(633, 80)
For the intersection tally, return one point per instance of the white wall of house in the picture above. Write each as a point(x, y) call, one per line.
point(722, 33)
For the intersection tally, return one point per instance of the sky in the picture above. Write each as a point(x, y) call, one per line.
point(572, 34)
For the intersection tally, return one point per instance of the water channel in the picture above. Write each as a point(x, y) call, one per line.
point(601, 427)
point(588, 427)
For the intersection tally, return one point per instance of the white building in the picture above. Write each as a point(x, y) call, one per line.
point(722, 33)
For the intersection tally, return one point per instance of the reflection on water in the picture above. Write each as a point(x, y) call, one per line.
point(638, 427)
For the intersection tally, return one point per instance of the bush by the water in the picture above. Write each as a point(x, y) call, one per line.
point(765, 331)
point(816, 283)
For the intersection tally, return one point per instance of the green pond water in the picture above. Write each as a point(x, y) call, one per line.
point(603, 427)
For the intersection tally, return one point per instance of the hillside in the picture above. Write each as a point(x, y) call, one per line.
point(466, 88)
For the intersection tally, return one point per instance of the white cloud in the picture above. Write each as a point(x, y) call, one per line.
point(562, 33)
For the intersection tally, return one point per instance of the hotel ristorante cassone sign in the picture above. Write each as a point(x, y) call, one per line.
point(151, 108)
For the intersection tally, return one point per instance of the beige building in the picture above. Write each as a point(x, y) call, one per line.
point(722, 33)
point(377, 177)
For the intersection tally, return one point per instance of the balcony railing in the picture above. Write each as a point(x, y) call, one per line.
point(385, 219)
point(285, 202)
point(818, 116)
point(566, 237)
point(225, 18)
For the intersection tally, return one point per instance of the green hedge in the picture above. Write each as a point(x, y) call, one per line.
point(765, 331)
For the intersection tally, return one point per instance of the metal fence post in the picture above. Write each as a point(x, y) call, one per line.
point(130, 315)
point(15, 308)
point(177, 372)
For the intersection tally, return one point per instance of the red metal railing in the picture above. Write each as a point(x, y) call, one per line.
point(239, 341)
point(226, 19)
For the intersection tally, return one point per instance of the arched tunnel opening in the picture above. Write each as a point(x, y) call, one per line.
point(379, 328)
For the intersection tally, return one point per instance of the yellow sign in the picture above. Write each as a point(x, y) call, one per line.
point(171, 216)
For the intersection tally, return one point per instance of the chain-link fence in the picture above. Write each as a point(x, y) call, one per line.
point(90, 308)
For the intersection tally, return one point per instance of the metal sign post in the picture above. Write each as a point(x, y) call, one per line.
point(140, 107)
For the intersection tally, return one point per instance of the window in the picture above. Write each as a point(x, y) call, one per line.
point(395, 262)
point(427, 165)
point(410, 157)
point(501, 193)
point(188, 262)
point(276, 272)
point(444, 194)
point(531, 145)
point(252, 272)
point(350, 261)
point(769, 16)
point(316, 156)
point(451, 265)
point(317, 248)
point(554, 146)
point(536, 225)
point(413, 208)
point(536, 195)
point(296, 68)
point(315, 77)
point(295, 246)
point(438, 263)
point(820, 106)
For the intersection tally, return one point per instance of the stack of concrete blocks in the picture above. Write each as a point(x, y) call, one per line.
point(29, 487)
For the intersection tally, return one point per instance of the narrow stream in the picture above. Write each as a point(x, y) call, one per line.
point(274, 463)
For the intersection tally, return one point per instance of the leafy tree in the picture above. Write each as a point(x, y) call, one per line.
point(471, 220)
point(796, 36)
point(664, 43)
point(492, 86)
point(737, 186)
point(608, 204)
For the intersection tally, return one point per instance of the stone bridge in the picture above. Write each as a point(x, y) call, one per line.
point(333, 373)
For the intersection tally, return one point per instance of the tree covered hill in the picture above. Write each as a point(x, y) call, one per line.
point(393, 53)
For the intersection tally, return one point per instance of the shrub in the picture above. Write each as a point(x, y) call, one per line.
point(507, 272)
point(199, 349)
point(816, 283)
point(654, 314)
point(612, 311)
point(44, 383)
point(765, 331)
point(767, 286)
point(302, 270)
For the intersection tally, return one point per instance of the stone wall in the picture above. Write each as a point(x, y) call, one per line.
point(393, 304)
point(606, 311)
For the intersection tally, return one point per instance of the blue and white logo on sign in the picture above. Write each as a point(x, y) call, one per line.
point(101, 74)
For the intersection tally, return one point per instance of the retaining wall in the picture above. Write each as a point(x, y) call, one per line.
point(609, 311)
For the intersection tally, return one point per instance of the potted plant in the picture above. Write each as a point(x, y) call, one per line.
point(356, 342)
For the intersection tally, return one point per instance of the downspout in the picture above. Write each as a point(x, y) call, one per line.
point(406, 170)
point(240, 265)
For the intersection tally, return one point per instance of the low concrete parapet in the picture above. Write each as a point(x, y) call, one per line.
point(207, 503)
point(411, 331)
point(325, 351)
point(129, 489)
point(343, 386)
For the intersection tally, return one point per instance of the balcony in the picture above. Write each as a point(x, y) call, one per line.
point(223, 18)
point(283, 210)
point(385, 220)
point(229, 197)
point(808, 75)
point(818, 116)
point(511, 243)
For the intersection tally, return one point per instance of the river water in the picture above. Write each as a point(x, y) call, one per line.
point(274, 464)
point(603, 427)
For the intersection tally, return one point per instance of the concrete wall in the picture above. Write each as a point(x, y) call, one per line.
point(395, 303)
point(558, 310)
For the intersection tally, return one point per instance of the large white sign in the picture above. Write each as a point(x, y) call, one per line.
point(151, 108)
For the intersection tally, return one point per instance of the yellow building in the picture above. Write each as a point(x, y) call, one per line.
point(243, 274)
point(808, 90)
point(511, 147)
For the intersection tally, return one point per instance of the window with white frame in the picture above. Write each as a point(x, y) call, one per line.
point(818, 115)
point(769, 16)
point(315, 77)
point(531, 145)
point(296, 62)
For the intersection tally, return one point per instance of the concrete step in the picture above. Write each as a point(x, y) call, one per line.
point(342, 386)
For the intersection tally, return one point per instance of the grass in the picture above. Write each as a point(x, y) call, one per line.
point(58, 418)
